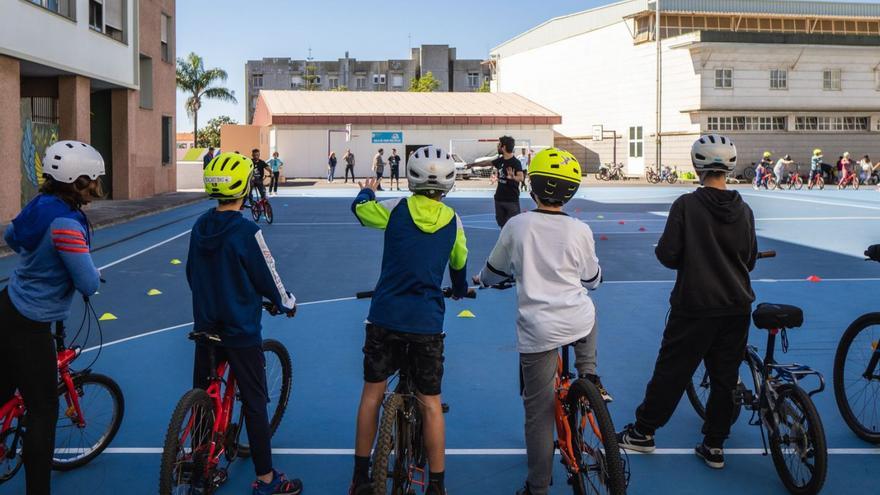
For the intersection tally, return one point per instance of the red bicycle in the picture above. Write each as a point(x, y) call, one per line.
point(816, 180)
point(766, 180)
point(849, 179)
point(202, 431)
point(795, 181)
point(258, 204)
point(91, 407)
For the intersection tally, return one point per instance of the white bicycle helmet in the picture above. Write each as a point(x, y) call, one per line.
point(430, 168)
point(66, 161)
point(713, 152)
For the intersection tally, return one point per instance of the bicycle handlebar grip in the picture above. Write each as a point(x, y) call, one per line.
point(365, 294)
point(766, 254)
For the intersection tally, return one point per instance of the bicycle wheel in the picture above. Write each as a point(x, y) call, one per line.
point(256, 210)
point(672, 178)
point(601, 466)
point(772, 184)
point(855, 183)
point(279, 382)
point(78, 440)
point(798, 447)
point(187, 446)
point(820, 182)
point(602, 174)
point(749, 173)
point(698, 393)
point(10, 451)
point(856, 382)
point(389, 429)
point(268, 212)
point(798, 183)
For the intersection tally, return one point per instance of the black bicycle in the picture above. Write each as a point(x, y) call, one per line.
point(780, 405)
point(857, 373)
point(400, 457)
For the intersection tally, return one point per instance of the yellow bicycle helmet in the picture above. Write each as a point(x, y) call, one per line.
point(555, 176)
point(228, 176)
point(767, 154)
point(817, 152)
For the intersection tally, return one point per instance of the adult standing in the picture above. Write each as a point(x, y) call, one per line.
point(524, 158)
point(379, 167)
point(207, 158)
point(275, 165)
point(331, 166)
point(348, 158)
point(394, 162)
point(259, 172)
point(508, 173)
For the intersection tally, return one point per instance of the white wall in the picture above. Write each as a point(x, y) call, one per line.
point(304, 148)
point(35, 34)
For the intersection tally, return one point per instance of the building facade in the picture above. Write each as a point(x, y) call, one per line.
point(786, 77)
point(357, 75)
point(102, 72)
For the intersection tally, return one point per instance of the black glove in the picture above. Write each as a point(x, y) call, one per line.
point(291, 312)
point(873, 252)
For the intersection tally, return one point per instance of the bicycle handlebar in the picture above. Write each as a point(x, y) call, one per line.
point(447, 292)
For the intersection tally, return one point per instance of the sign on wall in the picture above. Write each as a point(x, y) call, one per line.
point(388, 137)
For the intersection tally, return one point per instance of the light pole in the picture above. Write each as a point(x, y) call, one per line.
point(657, 140)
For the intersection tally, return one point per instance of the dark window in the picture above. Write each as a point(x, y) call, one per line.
point(146, 89)
point(164, 38)
point(167, 139)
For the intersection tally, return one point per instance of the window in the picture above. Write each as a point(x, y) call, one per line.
point(746, 123)
point(473, 79)
point(397, 80)
point(166, 30)
point(636, 143)
point(257, 80)
point(333, 82)
point(166, 140)
point(108, 17)
point(831, 79)
point(317, 79)
point(296, 82)
point(146, 89)
point(832, 124)
point(67, 8)
point(360, 82)
point(96, 15)
point(778, 79)
point(723, 78)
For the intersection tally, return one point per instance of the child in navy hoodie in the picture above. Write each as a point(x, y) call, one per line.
point(230, 270)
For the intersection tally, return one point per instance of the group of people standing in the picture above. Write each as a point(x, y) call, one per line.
point(378, 167)
point(865, 169)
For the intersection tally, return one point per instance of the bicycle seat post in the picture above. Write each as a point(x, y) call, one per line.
point(565, 363)
point(771, 345)
point(60, 335)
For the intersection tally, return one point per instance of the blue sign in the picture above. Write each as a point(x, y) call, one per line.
point(390, 137)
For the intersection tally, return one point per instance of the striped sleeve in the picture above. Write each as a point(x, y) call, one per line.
point(261, 268)
point(69, 240)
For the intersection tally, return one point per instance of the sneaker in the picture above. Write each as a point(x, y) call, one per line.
point(632, 439)
point(279, 485)
point(594, 379)
point(714, 458)
point(435, 490)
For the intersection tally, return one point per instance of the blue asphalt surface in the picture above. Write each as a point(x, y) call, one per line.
point(323, 254)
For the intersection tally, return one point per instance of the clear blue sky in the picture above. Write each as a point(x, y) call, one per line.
point(227, 33)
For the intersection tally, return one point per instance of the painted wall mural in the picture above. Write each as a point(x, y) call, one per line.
point(35, 138)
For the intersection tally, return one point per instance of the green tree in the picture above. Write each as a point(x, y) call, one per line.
point(311, 78)
point(200, 84)
point(485, 87)
point(210, 134)
point(425, 84)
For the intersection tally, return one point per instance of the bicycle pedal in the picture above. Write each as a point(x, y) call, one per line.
point(411, 474)
point(743, 396)
point(444, 407)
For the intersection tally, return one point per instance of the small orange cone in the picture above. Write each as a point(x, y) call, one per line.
point(603, 237)
point(813, 278)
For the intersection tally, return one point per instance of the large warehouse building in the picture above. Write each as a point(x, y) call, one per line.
point(784, 76)
point(303, 126)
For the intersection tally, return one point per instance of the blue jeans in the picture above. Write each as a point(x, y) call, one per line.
point(331, 172)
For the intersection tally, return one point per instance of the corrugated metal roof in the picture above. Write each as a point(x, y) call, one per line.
point(376, 103)
point(777, 7)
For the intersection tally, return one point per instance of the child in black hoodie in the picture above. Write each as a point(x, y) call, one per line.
point(710, 241)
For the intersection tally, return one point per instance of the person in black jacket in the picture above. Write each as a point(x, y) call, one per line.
point(710, 241)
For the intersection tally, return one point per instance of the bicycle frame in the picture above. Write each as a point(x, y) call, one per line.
point(564, 435)
point(871, 370)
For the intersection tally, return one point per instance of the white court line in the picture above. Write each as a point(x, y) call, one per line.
point(470, 452)
point(142, 251)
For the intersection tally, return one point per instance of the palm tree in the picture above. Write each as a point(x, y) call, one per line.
point(199, 83)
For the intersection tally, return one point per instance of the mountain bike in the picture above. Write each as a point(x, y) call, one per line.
point(91, 407)
point(816, 180)
point(652, 176)
point(780, 406)
point(585, 434)
point(767, 180)
point(613, 171)
point(857, 375)
point(261, 207)
point(670, 175)
point(851, 178)
point(202, 432)
point(795, 181)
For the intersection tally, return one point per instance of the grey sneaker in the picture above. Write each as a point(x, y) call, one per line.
point(714, 458)
point(632, 439)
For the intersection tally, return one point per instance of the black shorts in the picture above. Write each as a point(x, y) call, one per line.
point(395, 173)
point(385, 352)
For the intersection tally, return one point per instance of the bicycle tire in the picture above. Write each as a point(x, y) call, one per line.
point(672, 178)
point(268, 213)
point(94, 449)
point(866, 433)
point(611, 467)
point(195, 398)
point(798, 183)
point(388, 428)
point(749, 173)
point(855, 183)
point(815, 435)
point(282, 398)
point(256, 211)
point(772, 184)
point(10, 466)
point(821, 183)
point(698, 394)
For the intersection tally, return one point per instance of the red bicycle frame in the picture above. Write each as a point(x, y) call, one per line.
point(564, 434)
point(223, 403)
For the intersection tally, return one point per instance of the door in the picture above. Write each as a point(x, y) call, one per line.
point(101, 132)
point(635, 164)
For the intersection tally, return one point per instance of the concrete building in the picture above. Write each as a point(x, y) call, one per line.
point(358, 75)
point(303, 126)
point(102, 72)
point(781, 76)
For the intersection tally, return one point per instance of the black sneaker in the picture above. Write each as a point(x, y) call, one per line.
point(595, 380)
point(714, 458)
point(632, 439)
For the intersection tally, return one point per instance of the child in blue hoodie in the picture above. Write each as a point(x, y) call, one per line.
point(52, 237)
point(230, 270)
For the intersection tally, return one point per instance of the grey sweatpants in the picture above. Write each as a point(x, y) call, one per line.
point(538, 373)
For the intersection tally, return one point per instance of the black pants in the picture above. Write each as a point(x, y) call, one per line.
point(721, 343)
point(258, 185)
point(349, 169)
point(505, 210)
point(395, 174)
point(28, 364)
point(273, 185)
point(249, 366)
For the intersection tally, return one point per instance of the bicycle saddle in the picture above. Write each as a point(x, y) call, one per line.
point(205, 338)
point(769, 316)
